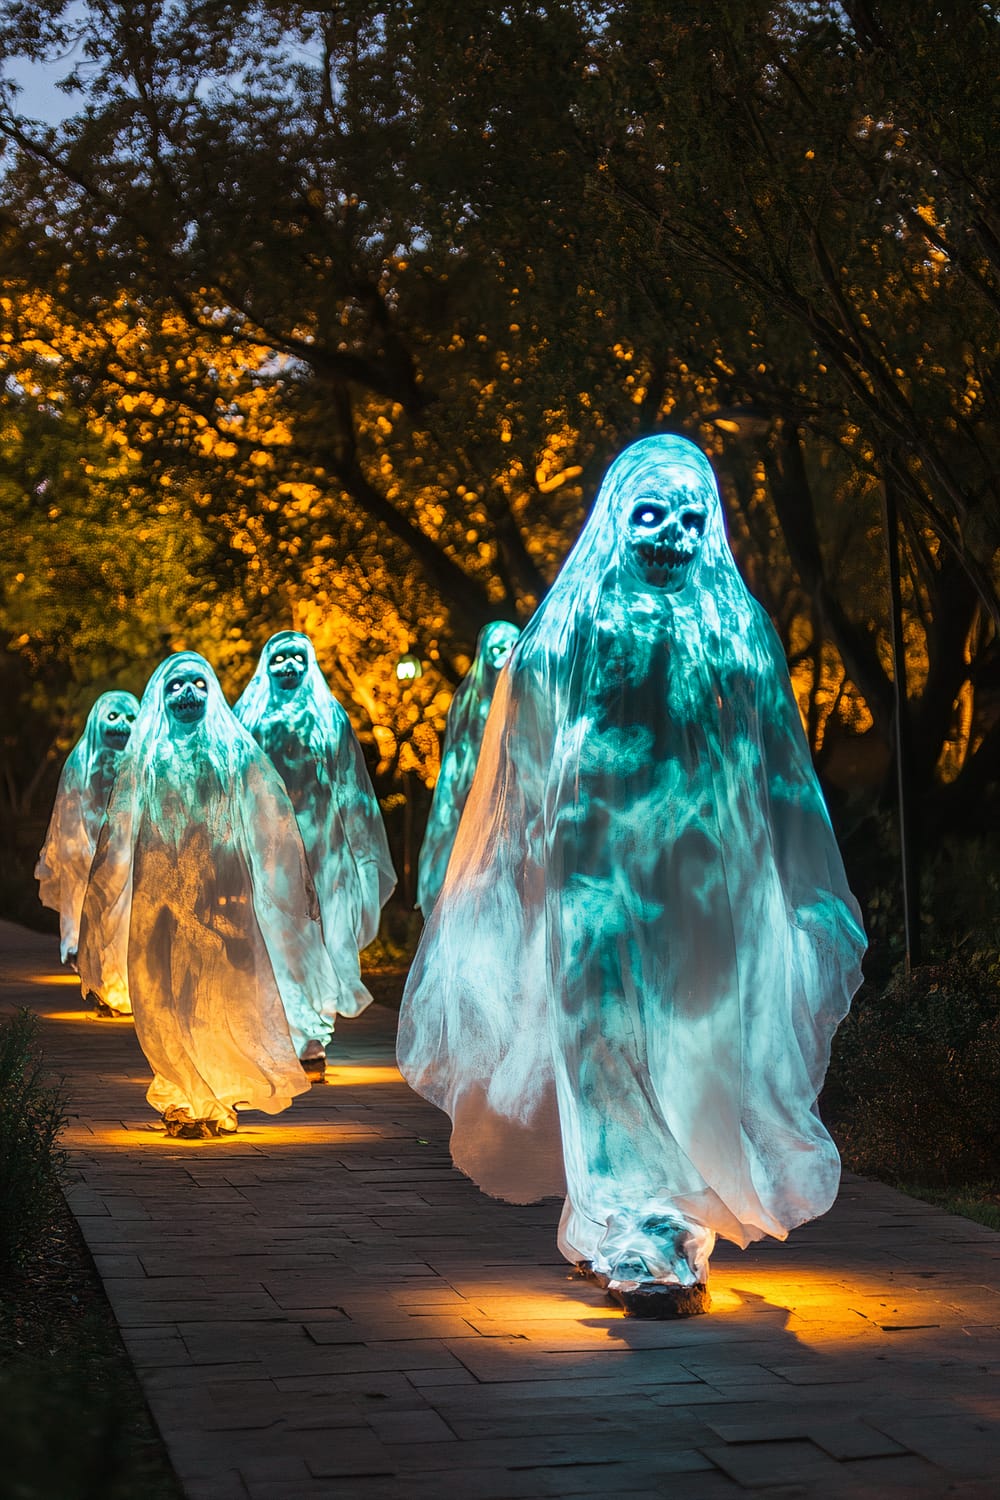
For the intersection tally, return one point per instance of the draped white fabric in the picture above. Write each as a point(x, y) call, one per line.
point(645, 940)
point(463, 736)
point(81, 799)
point(309, 738)
point(200, 899)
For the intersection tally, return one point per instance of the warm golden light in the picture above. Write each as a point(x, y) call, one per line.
point(82, 1015)
point(354, 1077)
point(62, 978)
point(258, 1135)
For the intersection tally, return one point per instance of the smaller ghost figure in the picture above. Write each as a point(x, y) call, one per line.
point(81, 800)
point(291, 713)
point(200, 900)
point(463, 736)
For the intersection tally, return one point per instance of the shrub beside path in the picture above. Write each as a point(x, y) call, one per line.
point(323, 1307)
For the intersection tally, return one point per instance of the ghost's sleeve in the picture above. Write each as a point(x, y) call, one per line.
point(473, 1036)
point(821, 909)
point(450, 792)
point(64, 862)
point(107, 904)
point(284, 897)
point(365, 832)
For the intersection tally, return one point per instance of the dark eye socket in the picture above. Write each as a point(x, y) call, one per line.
point(299, 656)
point(112, 716)
point(200, 683)
point(174, 685)
point(277, 658)
point(648, 513)
point(693, 520)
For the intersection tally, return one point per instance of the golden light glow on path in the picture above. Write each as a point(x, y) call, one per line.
point(85, 1016)
point(354, 1076)
point(256, 1137)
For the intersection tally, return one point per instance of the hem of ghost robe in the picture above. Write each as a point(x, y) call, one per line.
point(215, 1034)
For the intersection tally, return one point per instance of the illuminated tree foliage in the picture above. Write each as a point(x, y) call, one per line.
point(371, 293)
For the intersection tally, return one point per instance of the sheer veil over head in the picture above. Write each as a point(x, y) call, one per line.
point(81, 799)
point(209, 805)
point(309, 738)
point(463, 737)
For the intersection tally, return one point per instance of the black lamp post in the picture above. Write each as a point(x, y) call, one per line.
point(908, 829)
point(408, 669)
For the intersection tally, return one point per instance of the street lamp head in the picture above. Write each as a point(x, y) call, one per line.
point(409, 668)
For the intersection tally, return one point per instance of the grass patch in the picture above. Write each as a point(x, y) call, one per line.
point(980, 1202)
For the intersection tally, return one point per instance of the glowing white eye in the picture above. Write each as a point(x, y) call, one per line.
point(278, 658)
point(693, 520)
point(201, 684)
point(174, 686)
point(647, 513)
point(300, 657)
point(112, 717)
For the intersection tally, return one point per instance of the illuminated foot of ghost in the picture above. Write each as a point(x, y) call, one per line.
point(654, 1265)
point(101, 1007)
point(69, 962)
point(181, 1125)
point(313, 1059)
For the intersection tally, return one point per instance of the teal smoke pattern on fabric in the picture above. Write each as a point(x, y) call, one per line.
point(288, 708)
point(463, 736)
point(201, 903)
point(644, 942)
point(81, 801)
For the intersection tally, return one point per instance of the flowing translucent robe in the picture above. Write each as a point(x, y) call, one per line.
point(463, 737)
point(309, 739)
point(645, 940)
point(82, 796)
point(200, 897)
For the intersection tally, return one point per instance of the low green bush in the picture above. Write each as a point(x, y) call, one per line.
point(32, 1115)
point(913, 1092)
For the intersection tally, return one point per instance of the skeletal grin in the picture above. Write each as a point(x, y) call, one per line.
point(662, 555)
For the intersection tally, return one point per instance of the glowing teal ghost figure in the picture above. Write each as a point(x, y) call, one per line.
point(463, 736)
point(645, 940)
point(81, 799)
point(200, 900)
point(291, 713)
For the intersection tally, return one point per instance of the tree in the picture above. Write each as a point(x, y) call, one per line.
point(388, 303)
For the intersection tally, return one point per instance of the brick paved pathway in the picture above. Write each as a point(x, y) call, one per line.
point(322, 1307)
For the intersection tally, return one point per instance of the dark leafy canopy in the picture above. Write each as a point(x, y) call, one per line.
point(435, 262)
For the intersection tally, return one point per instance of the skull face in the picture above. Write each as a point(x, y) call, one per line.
point(664, 537)
point(499, 643)
point(286, 667)
point(185, 694)
point(116, 726)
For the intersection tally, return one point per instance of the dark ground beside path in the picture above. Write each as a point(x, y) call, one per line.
point(323, 1307)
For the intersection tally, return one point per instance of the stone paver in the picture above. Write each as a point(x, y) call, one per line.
point(323, 1307)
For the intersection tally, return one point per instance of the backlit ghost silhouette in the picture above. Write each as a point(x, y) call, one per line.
point(291, 713)
point(81, 800)
point(200, 895)
point(629, 984)
point(463, 736)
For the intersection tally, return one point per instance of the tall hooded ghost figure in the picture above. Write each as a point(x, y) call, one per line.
point(200, 894)
point(463, 737)
point(85, 785)
point(294, 717)
point(645, 940)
